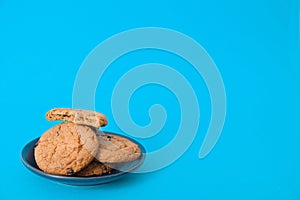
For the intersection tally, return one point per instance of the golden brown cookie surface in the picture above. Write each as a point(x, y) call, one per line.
point(116, 149)
point(66, 148)
point(84, 117)
point(95, 168)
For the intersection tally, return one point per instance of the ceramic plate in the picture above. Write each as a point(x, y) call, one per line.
point(27, 157)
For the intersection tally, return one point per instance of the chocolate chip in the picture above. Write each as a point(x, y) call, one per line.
point(108, 136)
point(70, 171)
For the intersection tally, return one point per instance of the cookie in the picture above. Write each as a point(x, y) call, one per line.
point(116, 149)
point(95, 168)
point(85, 117)
point(66, 148)
point(122, 166)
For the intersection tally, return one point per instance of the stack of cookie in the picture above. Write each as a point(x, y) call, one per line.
point(76, 146)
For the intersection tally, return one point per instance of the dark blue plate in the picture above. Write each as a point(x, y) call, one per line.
point(27, 157)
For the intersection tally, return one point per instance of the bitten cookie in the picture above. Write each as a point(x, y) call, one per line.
point(116, 149)
point(95, 168)
point(66, 148)
point(85, 117)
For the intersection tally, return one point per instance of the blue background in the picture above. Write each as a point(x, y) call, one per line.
point(255, 45)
